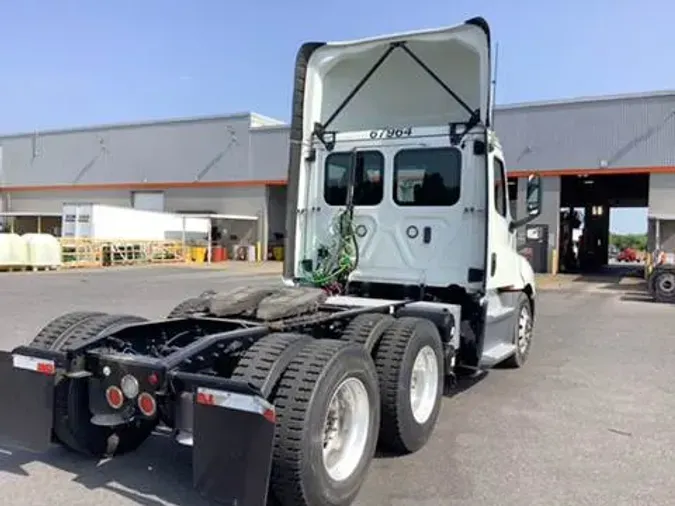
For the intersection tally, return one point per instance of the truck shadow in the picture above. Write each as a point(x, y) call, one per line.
point(160, 472)
point(451, 390)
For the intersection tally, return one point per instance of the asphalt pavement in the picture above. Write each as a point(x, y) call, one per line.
point(588, 421)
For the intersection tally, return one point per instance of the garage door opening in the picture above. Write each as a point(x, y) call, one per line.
point(602, 222)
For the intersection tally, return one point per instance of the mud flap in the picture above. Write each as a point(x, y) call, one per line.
point(27, 397)
point(232, 450)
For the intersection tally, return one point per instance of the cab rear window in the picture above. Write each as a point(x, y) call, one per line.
point(368, 178)
point(427, 177)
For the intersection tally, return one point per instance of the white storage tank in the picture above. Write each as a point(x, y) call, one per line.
point(13, 251)
point(44, 250)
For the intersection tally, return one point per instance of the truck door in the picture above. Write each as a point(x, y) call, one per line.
point(502, 269)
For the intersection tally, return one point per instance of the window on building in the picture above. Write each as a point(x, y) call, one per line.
point(500, 186)
point(368, 178)
point(427, 177)
point(148, 201)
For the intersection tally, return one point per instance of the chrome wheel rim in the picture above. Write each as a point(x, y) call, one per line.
point(524, 329)
point(346, 428)
point(424, 384)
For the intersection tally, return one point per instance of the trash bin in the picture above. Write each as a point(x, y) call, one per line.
point(217, 254)
point(198, 254)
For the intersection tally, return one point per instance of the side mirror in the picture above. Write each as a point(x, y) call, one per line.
point(533, 200)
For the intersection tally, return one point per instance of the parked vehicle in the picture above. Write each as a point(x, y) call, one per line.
point(660, 269)
point(627, 255)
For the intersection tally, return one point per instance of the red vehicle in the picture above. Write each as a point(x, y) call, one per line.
point(627, 255)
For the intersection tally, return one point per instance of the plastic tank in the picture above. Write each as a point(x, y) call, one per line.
point(43, 250)
point(13, 251)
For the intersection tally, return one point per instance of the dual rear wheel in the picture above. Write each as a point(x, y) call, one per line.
point(328, 394)
point(351, 399)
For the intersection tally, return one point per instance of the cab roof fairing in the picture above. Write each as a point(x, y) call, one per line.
point(467, 43)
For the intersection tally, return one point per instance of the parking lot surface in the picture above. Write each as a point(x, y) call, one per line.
point(589, 421)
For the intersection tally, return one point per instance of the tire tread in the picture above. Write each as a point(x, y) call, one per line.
point(293, 400)
point(390, 352)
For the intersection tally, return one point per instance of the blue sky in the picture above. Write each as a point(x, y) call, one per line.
point(72, 63)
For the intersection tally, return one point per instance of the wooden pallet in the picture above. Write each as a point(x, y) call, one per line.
point(13, 268)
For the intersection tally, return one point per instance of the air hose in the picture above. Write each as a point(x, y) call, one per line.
point(337, 260)
point(340, 257)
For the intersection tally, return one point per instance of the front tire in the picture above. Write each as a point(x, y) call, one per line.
point(522, 333)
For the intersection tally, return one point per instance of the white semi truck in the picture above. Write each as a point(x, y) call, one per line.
point(401, 272)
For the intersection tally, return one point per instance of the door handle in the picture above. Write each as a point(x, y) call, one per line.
point(427, 235)
point(493, 264)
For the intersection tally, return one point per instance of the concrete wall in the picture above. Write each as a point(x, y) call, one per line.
point(662, 201)
point(550, 213)
point(52, 202)
point(662, 193)
point(666, 235)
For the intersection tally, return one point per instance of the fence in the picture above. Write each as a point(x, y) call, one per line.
point(96, 253)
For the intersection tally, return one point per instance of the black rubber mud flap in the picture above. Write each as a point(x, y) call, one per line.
point(27, 400)
point(232, 452)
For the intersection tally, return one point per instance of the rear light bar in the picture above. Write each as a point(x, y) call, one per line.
point(39, 365)
point(236, 401)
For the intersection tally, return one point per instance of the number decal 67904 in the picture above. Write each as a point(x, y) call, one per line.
point(391, 133)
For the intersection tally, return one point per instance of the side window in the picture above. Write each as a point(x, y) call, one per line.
point(500, 186)
point(368, 178)
point(427, 177)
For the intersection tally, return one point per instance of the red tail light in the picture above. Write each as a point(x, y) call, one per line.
point(115, 397)
point(147, 404)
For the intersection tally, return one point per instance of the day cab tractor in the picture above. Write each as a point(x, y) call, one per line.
point(401, 272)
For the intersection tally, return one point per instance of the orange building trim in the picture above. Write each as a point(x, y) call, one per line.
point(594, 172)
point(169, 185)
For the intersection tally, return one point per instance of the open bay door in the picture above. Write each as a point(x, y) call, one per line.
point(508, 314)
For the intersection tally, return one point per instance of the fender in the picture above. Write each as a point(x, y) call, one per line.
point(524, 280)
point(527, 276)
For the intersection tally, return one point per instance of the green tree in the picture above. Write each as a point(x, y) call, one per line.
point(634, 241)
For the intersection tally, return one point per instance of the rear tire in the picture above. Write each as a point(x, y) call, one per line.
point(410, 367)
point(366, 329)
point(256, 363)
point(51, 336)
point(72, 418)
point(304, 471)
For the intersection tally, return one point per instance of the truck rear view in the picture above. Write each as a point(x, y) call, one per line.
point(383, 128)
point(401, 271)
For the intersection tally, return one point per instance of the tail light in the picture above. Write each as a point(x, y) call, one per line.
point(147, 404)
point(129, 386)
point(114, 396)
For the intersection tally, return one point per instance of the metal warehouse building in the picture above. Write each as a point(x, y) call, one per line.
point(614, 151)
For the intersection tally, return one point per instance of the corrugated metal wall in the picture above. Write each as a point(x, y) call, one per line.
point(628, 132)
point(206, 150)
point(636, 131)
